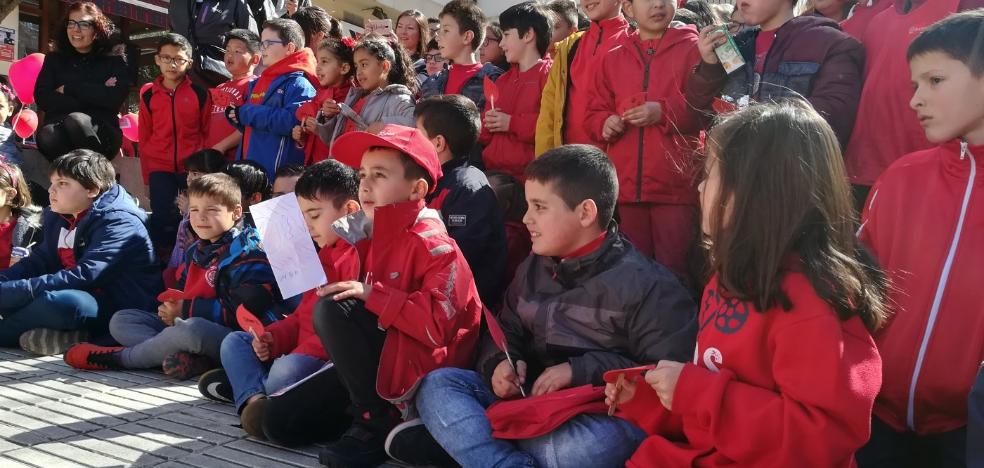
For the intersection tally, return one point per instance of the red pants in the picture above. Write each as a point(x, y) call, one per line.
point(664, 232)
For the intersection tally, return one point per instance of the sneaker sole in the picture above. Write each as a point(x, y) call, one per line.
point(396, 430)
point(48, 342)
point(211, 390)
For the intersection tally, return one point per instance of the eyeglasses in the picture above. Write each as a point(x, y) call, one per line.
point(83, 25)
point(438, 58)
point(269, 43)
point(173, 61)
point(488, 40)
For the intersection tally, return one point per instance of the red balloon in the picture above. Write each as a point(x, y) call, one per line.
point(25, 123)
point(130, 125)
point(24, 75)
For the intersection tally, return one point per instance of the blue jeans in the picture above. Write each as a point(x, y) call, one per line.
point(452, 404)
point(249, 376)
point(61, 310)
point(148, 341)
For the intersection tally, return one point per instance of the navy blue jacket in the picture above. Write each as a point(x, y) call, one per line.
point(471, 214)
point(472, 89)
point(975, 421)
point(115, 259)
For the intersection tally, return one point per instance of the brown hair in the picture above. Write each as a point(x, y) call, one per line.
point(785, 191)
point(11, 177)
point(424, 31)
point(101, 25)
point(219, 186)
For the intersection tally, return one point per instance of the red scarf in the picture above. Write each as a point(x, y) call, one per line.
point(302, 60)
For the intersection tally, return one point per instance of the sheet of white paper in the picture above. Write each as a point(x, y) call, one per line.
point(288, 245)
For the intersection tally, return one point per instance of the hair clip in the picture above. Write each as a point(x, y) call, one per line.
point(348, 42)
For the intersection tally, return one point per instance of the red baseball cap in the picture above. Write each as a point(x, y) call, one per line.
point(350, 147)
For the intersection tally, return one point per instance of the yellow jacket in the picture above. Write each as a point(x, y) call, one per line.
point(550, 122)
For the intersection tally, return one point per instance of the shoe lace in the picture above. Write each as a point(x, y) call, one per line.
point(105, 359)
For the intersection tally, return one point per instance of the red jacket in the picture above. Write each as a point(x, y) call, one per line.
point(886, 128)
point(316, 150)
point(861, 16)
point(601, 37)
point(511, 151)
point(173, 124)
point(774, 389)
point(924, 221)
point(422, 291)
point(654, 163)
point(295, 333)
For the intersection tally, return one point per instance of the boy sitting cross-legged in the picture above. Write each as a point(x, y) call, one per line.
point(225, 269)
point(415, 307)
point(290, 350)
point(584, 303)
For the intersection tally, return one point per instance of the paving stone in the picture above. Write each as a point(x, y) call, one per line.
point(82, 413)
point(21, 436)
point(243, 458)
point(169, 393)
point(77, 455)
point(105, 408)
point(11, 463)
point(127, 403)
point(203, 461)
point(273, 452)
point(63, 384)
point(155, 434)
point(38, 458)
point(33, 388)
point(191, 432)
point(219, 423)
point(224, 408)
point(173, 464)
point(58, 419)
point(127, 454)
point(160, 445)
point(42, 428)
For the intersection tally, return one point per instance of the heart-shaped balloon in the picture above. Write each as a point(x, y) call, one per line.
point(24, 75)
point(130, 125)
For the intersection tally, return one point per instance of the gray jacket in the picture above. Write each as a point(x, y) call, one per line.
point(393, 104)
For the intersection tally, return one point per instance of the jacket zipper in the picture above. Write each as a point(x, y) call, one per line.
point(601, 34)
point(642, 130)
point(174, 129)
point(941, 286)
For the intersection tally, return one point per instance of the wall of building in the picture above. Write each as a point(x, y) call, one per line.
point(9, 37)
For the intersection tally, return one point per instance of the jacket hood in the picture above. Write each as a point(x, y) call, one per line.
point(672, 37)
point(116, 200)
point(795, 27)
point(301, 61)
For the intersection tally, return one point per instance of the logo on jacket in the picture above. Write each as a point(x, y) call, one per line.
point(727, 314)
point(713, 358)
point(210, 274)
point(457, 220)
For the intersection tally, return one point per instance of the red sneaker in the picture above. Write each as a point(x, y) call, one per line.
point(88, 356)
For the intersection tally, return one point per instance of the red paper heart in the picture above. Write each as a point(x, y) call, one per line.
point(170, 295)
point(491, 91)
point(249, 322)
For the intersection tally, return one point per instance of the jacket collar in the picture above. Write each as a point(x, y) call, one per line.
point(568, 271)
point(957, 158)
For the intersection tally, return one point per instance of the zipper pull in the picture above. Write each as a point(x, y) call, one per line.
point(964, 149)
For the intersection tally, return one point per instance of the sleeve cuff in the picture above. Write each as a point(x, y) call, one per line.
point(386, 303)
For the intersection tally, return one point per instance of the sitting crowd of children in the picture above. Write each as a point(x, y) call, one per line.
point(550, 311)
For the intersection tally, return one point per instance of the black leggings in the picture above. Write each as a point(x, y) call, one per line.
point(76, 131)
point(316, 410)
point(351, 336)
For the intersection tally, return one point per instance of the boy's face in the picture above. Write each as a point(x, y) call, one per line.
point(68, 196)
point(757, 12)
point(451, 40)
point(948, 98)
point(561, 29)
point(319, 215)
point(272, 48)
point(434, 62)
point(513, 45)
point(210, 218)
point(173, 62)
point(652, 16)
point(383, 181)
point(491, 49)
point(238, 58)
point(598, 10)
point(550, 221)
point(282, 185)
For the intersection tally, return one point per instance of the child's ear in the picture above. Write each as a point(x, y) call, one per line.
point(529, 37)
point(291, 48)
point(420, 189)
point(346, 69)
point(92, 193)
point(387, 66)
point(469, 36)
point(440, 143)
point(255, 59)
point(587, 213)
point(237, 212)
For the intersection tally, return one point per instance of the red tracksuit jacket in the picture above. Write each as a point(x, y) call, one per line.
point(316, 150)
point(519, 93)
point(774, 389)
point(601, 37)
point(422, 291)
point(173, 124)
point(654, 163)
point(924, 221)
point(295, 333)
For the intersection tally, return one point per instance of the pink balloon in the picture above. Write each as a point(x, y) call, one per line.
point(130, 125)
point(24, 75)
point(25, 123)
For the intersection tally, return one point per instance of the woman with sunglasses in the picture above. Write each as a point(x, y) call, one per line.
point(81, 87)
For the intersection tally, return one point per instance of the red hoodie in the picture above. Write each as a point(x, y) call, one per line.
point(654, 163)
point(302, 60)
point(173, 124)
point(316, 150)
point(295, 333)
point(774, 389)
point(862, 15)
point(601, 37)
point(886, 128)
point(230, 93)
point(511, 151)
point(924, 221)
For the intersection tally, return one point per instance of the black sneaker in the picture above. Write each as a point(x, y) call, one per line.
point(215, 385)
point(412, 444)
point(359, 447)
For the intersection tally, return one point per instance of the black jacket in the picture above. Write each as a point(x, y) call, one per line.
point(206, 27)
point(470, 211)
point(610, 309)
point(84, 77)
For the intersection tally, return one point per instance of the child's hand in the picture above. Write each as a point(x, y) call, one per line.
point(650, 113)
point(554, 378)
point(168, 311)
point(310, 124)
point(626, 393)
point(664, 380)
point(614, 127)
point(711, 37)
point(261, 346)
point(182, 202)
point(345, 290)
point(232, 113)
point(111, 82)
point(505, 382)
point(330, 109)
point(496, 121)
point(297, 134)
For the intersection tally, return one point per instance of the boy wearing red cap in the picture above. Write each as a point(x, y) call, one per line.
point(415, 307)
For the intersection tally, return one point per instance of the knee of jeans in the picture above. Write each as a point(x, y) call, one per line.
point(236, 343)
point(434, 386)
point(588, 439)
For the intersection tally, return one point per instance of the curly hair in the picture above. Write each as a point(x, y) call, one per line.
point(389, 49)
point(101, 24)
point(342, 50)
